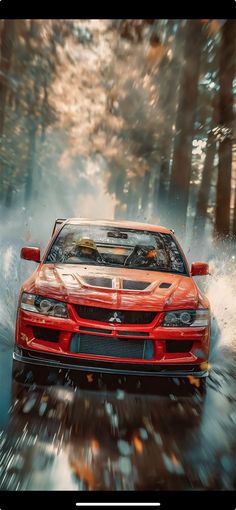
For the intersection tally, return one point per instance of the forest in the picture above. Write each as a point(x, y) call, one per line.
point(120, 118)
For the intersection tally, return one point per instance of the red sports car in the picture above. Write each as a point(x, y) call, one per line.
point(116, 297)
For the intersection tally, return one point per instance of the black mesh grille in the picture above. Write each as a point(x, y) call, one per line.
point(114, 347)
point(133, 285)
point(114, 316)
point(178, 345)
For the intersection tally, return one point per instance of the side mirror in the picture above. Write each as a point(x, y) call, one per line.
point(199, 268)
point(30, 253)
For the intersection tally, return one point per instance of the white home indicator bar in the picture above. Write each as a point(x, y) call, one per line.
point(118, 504)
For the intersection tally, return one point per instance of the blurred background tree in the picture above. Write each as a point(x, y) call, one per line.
point(127, 118)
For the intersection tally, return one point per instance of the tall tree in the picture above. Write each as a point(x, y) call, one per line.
point(181, 168)
point(7, 45)
point(234, 216)
point(207, 174)
point(168, 72)
point(205, 186)
point(227, 71)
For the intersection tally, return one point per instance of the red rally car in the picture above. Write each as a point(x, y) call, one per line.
point(116, 297)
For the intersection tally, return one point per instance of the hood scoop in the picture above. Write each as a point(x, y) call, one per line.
point(98, 281)
point(135, 285)
point(165, 285)
point(109, 283)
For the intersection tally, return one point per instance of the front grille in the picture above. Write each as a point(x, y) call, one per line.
point(114, 347)
point(50, 335)
point(114, 316)
point(179, 345)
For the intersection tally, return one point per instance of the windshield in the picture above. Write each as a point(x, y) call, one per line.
point(109, 246)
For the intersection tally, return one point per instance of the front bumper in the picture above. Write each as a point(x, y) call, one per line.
point(26, 359)
point(55, 337)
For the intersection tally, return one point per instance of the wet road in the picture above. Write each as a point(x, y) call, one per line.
point(101, 433)
point(94, 434)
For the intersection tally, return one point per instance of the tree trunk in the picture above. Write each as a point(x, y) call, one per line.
point(132, 205)
point(7, 44)
point(207, 174)
point(120, 208)
point(155, 208)
point(181, 169)
point(145, 191)
point(169, 72)
point(30, 161)
point(162, 194)
point(234, 217)
point(8, 195)
point(226, 118)
point(205, 187)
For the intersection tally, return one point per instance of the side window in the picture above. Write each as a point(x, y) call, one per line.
point(63, 244)
point(174, 255)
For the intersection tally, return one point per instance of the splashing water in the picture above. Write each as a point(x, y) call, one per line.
point(222, 293)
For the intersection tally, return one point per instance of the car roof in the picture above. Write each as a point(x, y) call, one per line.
point(119, 224)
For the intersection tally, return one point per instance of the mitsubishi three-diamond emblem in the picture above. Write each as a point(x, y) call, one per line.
point(116, 317)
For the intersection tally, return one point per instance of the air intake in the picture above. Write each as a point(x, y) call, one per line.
point(178, 346)
point(49, 335)
point(164, 285)
point(113, 347)
point(133, 285)
point(99, 282)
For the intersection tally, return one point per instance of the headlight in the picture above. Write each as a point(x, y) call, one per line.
point(186, 318)
point(45, 306)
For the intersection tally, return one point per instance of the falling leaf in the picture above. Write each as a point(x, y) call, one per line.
point(45, 398)
point(138, 445)
point(83, 472)
point(194, 380)
point(95, 446)
point(155, 54)
point(174, 459)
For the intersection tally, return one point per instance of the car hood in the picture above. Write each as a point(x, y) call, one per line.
point(115, 287)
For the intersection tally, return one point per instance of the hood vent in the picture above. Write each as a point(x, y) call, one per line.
point(99, 282)
point(164, 285)
point(133, 285)
point(107, 283)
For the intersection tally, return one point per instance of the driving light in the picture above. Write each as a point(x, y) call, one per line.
point(45, 306)
point(186, 318)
